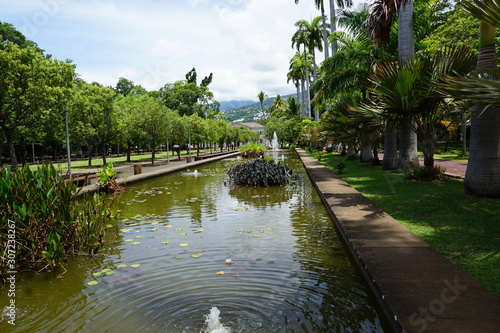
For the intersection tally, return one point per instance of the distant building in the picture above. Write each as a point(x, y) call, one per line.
point(256, 128)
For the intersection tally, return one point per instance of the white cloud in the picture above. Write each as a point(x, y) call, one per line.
point(244, 43)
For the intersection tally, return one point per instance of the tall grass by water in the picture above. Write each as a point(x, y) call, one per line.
point(43, 223)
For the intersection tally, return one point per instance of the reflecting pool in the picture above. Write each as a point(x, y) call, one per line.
point(269, 259)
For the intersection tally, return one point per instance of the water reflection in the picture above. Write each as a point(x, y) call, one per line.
point(289, 270)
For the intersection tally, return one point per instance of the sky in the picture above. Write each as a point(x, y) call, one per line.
point(246, 44)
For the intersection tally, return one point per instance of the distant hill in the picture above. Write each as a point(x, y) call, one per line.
point(228, 105)
point(247, 112)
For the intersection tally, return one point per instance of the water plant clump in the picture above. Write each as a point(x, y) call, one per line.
point(42, 220)
point(252, 150)
point(260, 172)
point(107, 179)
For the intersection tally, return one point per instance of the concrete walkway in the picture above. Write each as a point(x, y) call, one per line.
point(418, 288)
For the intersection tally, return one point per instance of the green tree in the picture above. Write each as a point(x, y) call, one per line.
point(154, 122)
point(483, 169)
point(128, 110)
point(262, 96)
point(31, 86)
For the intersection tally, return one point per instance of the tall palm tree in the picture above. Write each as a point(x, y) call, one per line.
point(483, 168)
point(382, 17)
point(320, 5)
point(302, 37)
point(262, 98)
point(297, 74)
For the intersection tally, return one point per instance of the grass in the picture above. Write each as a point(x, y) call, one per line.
point(464, 228)
point(81, 165)
point(453, 152)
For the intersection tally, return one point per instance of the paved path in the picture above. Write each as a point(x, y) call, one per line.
point(419, 289)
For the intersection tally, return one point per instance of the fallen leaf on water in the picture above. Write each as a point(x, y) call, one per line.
point(220, 273)
point(121, 266)
point(135, 265)
point(136, 243)
point(92, 283)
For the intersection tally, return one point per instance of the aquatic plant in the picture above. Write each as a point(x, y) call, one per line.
point(252, 150)
point(107, 179)
point(45, 221)
point(260, 172)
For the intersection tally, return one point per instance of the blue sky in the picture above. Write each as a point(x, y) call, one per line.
point(245, 43)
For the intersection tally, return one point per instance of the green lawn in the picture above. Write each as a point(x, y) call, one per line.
point(81, 165)
point(464, 228)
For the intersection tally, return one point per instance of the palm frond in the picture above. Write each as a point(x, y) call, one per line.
point(487, 11)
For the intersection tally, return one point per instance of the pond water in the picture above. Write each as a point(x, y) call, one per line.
point(189, 249)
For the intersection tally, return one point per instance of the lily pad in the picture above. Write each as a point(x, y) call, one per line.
point(155, 229)
point(201, 229)
point(166, 242)
point(92, 283)
point(168, 226)
point(125, 230)
point(196, 255)
point(110, 273)
point(178, 229)
point(97, 274)
point(138, 236)
point(183, 234)
point(184, 244)
point(105, 270)
point(129, 240)
point(136, 243)
point(121, 266)
point(155, 222)
point(199, 250)
point(135, 265)
point(178, 257)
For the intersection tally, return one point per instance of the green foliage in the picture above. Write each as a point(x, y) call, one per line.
point(252, 150)
point(340, 167)
point(423, 173)
point(50, 223)
point(352, 157)
point(260, 172)
point(107, 174)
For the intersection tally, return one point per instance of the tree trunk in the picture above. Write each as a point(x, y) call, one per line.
point(12, 149)
point(333, 25)
point(390, 160)
point(153, 152)
point(303, 97)
point(408, 157)
point(308, 85)
point(91, 151)
point(406, 43)
point(104, 152)
point(483, 169)
point(129, 151)
point(428, 148)
point(366, 148)
point(325, 32)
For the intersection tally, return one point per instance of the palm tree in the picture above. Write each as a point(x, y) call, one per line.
point(381, 19)
point(483, 169)
point(297, 74)
point(408, 91)
point(262, 98)
point(320, 5)
point(301, 38)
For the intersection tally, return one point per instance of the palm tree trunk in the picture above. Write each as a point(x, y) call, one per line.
point(12, 149)
point(303, 97)
point(333, 25)
point(483, 169)
point(308, 97)
point(325, 33)
point(366, 154)
point(408, 157)
point(390, 160)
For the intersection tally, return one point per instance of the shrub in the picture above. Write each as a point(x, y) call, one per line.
point(252, 150)
point(352, 157)
point(107, 179)
point(260, 172)
point(45, 221)
point(340, 167)
point(423, 173)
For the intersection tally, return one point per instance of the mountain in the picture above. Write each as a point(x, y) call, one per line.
point(249, 111)
point(228, 105)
